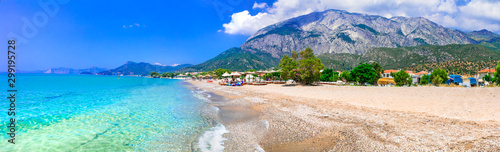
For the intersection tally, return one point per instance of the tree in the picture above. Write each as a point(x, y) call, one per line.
point(364, 73)
point(164, 74)
point(326, 75)
point(378, 70)
point(153, 74)
point(309, 66)
point(295, 55)
point(345, 76)
point(335, 76)
point(496, 75)
point(437, 80)
point(219, 72)
point(402, 78)
point(487, 78)
point(441, 73)
point(287, 66)
point(424, 79)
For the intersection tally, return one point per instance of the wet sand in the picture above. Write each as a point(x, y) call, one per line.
point(324, 118)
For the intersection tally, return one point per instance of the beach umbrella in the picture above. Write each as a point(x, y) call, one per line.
point(235, 74)
point(226, 74)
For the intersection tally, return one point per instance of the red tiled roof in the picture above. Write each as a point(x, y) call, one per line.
point(487, 71)
point(394, 71)
point(421, 72)
point(389, 71)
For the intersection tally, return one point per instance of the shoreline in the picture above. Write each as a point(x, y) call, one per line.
point(292, 121)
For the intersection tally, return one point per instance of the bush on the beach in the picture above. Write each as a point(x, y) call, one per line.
point(437, 81)
point(345, 76)
point(424, 80)
point(441, 73)
point(378, 70)
point(335, 76)
point(327, 75)
point(287, 66)
point(364, 73)
point(496, 75)
point(402, 78)
point(309, 67)
point(487, 78)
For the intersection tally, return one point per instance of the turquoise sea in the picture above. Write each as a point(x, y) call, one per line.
point(106, 113)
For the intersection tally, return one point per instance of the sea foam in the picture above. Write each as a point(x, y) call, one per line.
point(212, 140)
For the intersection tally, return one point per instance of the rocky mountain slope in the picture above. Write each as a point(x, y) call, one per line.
point(336, 31)
point(142, 68)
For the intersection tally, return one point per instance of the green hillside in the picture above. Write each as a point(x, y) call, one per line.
point(236, 59)
point(429, 57)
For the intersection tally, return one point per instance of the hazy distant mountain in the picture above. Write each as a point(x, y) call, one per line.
point(142, 68)
point(92, 70)
point(348, 34)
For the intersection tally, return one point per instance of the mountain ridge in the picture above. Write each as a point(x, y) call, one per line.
point(142, 68)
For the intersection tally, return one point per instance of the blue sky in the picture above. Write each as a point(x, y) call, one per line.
point(83, 34)
point(108, 33)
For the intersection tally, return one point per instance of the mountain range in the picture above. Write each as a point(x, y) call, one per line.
point(142, 68)
point(63, 70)
point(340, 37)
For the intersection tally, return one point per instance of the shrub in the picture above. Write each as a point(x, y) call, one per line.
point(487, 78)
point(424, 79)
point(441, 73)
point(327, 75)
point(345, 76)
point(402, 78)
point(437, 80)
point(309, 67)
point(364, 73)
point(496, 75)
point(287, 66)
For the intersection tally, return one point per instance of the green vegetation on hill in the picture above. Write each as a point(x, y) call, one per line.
point(465, 58)
point(494, 45)
point(236, 59)
point(457, 67)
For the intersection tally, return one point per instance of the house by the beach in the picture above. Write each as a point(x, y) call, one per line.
point(417, 76)
point(387, 73)
point(484, 72)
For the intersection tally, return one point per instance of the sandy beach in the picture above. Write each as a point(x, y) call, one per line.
point(345, 118)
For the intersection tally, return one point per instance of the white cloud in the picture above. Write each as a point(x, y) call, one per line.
point(158, 64)
point(259, 6)
point(133, 25)
point(476, 15)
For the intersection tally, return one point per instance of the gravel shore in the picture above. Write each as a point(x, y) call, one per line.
point(337, 118)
